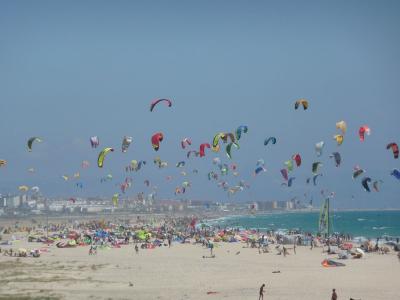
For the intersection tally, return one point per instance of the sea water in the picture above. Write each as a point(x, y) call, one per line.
point(369, 224)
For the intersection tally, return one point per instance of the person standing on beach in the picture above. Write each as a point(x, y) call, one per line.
point(285, 252)
point(211, 245)
point(169, 241)
point(261, 295)
point(334, 295)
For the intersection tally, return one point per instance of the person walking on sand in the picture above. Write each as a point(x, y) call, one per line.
point(334, 295)
point(136, 249)
point(261, 295)
point(285, 252)
point(211, 245)
point(169, 241)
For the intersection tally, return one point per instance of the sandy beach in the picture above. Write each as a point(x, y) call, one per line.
point(181, 272)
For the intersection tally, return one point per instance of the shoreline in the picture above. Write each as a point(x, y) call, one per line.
point(212, 218)
point(357, 229)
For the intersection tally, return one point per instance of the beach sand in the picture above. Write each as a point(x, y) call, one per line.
point(181, 272)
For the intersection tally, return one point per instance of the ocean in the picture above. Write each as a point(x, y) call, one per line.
point(370, 224)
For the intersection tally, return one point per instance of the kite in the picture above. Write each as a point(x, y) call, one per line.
point(342, 126)
point(299, 102)
point(315, 167)
point(156, 139)
point(186, 184)
point(217, 137)
point(290, 181)
point(212, 175)
point(357, 172)
point(85, 164)
point(108, 177)
point(284, 173)
point(31, 140)
point(259, 169)
point(297, 159)
point(229, 148)
point(202, 149)
point(35, 189)
point(126, 141)
point(224, 168)
point(115, 199)
point(375, 185)
point(185, 142)
point(339, 139)
point(337, 157)
point(180, 164)
point(365, 182)
point(364, 130)
point(289, 165)
point(94, 141)
point(315, 178)
point(260, 162)
point(395, 173)
point(216, 160)
point(161, 164)
point(270, 139)
point(394, 148)
point(155, 102)
point(318, 147)
point(179, 190)
point(241, 129)
point(102, 155)
point(192, 152)
point(136, 166)
point(23, 188)
point(230, 135)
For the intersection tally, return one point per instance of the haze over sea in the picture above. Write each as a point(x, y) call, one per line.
point(357, 223)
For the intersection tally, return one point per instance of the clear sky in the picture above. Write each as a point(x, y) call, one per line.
point(73, 69)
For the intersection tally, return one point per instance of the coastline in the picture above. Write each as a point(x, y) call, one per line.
point(358, 223)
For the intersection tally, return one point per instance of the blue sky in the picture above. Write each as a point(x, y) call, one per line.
point(76, 69)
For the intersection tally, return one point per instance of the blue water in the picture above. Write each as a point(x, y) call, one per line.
point(357, 223)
